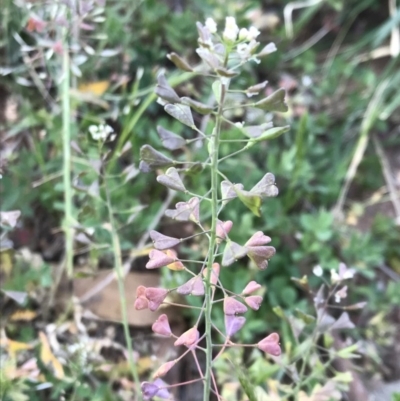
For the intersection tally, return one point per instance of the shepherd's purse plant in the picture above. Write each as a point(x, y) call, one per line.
point(223, 56)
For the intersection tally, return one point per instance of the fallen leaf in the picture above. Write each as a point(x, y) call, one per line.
point(48, 357)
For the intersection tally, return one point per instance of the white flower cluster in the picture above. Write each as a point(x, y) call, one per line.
point(231, 32)
point(101, 132)
point(245, 38)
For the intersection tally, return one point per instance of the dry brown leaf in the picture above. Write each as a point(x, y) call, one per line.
point(13, 347)
point(25, 315)
point(48, 357)
point(95, 88)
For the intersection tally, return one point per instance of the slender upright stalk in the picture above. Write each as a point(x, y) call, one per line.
point(214, 146)
point(121, 290)
point(66, 129)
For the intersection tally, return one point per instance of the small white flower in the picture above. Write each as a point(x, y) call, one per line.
point(317, 270)
point(100, 132)
point(243, 34)
point(231, 29)
point(344, 273)
point(341, 294)
point(334, 276)
point(239, 125)
point(252, 33)
point(211, 25)
point(245, 50)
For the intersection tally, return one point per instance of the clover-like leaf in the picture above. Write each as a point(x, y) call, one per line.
point(266, 187)
point(165, 91)
point(233, 324)
point(172, 180)
point(169, 139)
point(181, 112)
point(180, 62)
point(151, 159)
point(162, 241)
point(185, 211)
point(232, 253)
point(197, 106)
point(274, 102)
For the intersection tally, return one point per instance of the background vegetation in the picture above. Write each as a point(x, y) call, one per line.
point(337, 170)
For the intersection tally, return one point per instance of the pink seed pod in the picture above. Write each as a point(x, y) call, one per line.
point(141, 301)
point(251, 287)
point(188, 338)
point(164, 369)
point(254, 301)
point(258, 239)
point(156, 297)
point(233, 324)
point(214, 273)
point(232, 306)
point(158, 259)
point(161, 326)
point(194, 286)
point(223, 228)
point(270, 344)
point(162, 241)
point(177, 264)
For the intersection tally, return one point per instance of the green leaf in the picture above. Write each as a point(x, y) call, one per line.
point(251, 201)
point(247, 385)
point(216, 88)
point(347, 353)
point(274, 102)
point(307, 319)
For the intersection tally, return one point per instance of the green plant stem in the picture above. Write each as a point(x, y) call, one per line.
point(121, 289)
point(66, 129)
point(214, 143)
